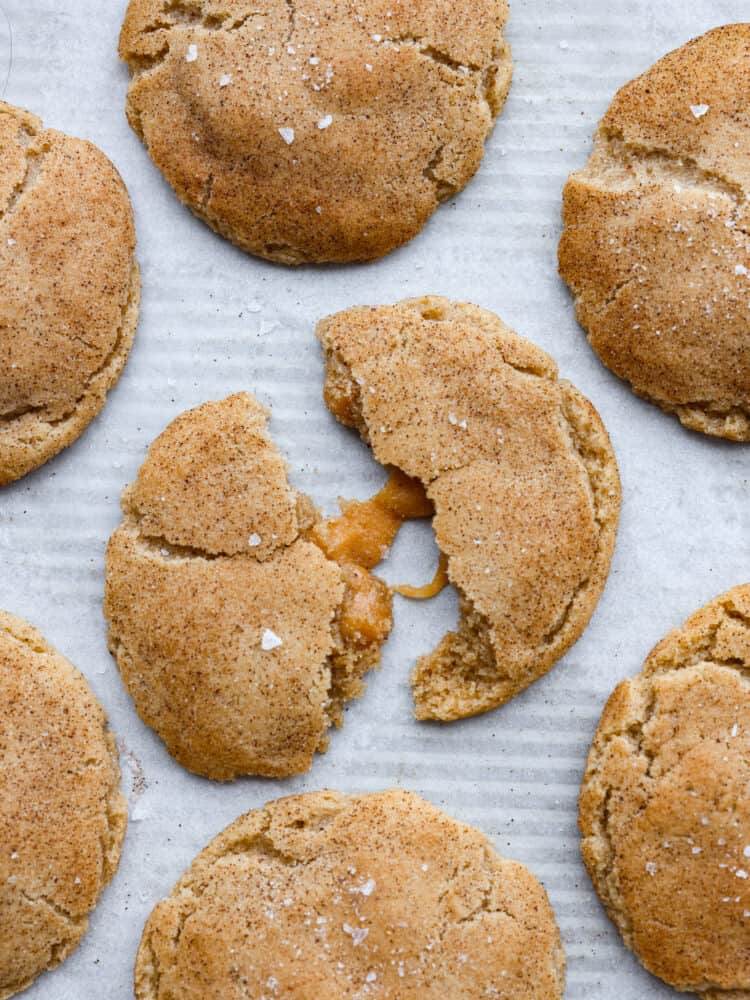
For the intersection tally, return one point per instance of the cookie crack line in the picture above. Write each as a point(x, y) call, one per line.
point(634, 734)
point(443, 188)
point(34, 165)
point(484, 904)
point(612, 297)
point(292, 14)
point(133, 290)
point(434, 53)
point(192, 892)
point(484, 74)
point(599, 506)
point(41, 648)
point(710, 408)
point(160, 545)
point(184, 12)
point(186, 15)
point(69, 919)
point(681, 167)
point(193, 15)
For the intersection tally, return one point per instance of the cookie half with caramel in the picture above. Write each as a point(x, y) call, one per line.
point(238, 637)
point(518, 468)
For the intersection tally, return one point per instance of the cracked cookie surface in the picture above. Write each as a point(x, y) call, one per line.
point(69, 288)
point(316, 132)
point(519, 469)
point(237, 638)
point(62, 816)
point(656, 246)
point(664, 810)
point(326, 895)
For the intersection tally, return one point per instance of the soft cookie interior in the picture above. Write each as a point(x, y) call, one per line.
point(518, 466)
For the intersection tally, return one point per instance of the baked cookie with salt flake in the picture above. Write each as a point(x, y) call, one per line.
point(656, 245)
point(312, 131)
point(327, 895)
point(517, 467)
point(62, 815)
point(69, 288)
point(237, 636)
point(664, 807)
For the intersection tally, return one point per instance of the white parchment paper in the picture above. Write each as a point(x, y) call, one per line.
point(215, 321)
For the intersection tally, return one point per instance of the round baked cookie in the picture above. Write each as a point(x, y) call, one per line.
point(314, 131)
point(519, 469)
point(664, 807)
point(69, 288)
point(62, 817)
point(656, 246)
point(327, 895)
point(237, 638)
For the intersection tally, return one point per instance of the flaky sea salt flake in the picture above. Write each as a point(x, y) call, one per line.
point(357, 934)
point(270, 641)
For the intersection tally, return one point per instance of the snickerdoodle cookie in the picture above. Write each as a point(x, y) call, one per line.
point(327, 895)
point(69, 288)
point(664, 807)
point(62, 817)
point(237, 636)
point(311, 131)
point(519, 469)
point(656, 247)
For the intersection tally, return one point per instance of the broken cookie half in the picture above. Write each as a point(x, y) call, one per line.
point(237, 636)
point(519, 469)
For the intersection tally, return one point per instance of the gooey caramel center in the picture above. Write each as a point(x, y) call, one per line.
point(359, 539)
